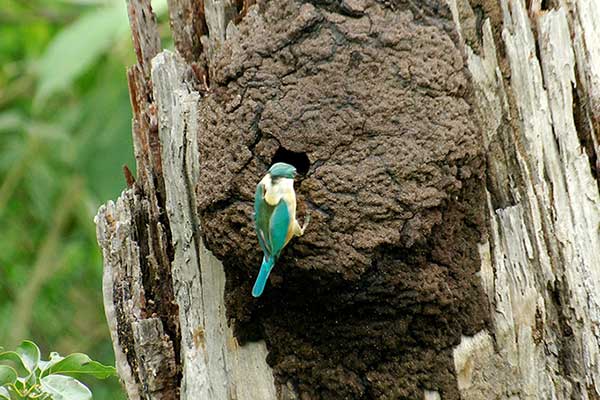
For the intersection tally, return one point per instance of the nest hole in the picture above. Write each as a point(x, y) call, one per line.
point(298, 160)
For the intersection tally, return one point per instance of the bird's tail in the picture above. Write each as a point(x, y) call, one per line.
point(261, 280)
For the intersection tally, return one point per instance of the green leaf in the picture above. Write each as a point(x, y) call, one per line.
point(54, 358)
point(30, 354)
point(11, 120)
point(77, 47)
point(4, 395)
point(62, 387)
point(15, 362)
point(8, 376)
point(77, 363)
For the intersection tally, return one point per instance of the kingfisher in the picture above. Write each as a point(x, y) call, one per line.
point(275, 218)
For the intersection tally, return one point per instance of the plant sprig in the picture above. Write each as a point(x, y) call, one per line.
point(24, 375)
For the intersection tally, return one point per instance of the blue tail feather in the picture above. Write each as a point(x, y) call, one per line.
point(261, 280)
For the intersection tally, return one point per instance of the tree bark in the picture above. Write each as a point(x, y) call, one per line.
point(163, 290)
point(535, 95)
point(539, 112)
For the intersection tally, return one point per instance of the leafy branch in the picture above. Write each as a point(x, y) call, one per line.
point(24, 375)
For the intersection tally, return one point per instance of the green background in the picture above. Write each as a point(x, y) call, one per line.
point(65, 133)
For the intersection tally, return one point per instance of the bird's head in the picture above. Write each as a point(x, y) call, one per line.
point(282, 170)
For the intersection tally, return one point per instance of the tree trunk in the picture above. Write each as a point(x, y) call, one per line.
point(449, 159)
point(536, 79)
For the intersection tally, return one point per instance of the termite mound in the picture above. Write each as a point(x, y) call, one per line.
point(371, 102)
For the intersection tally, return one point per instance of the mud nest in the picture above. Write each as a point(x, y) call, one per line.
point(371, 102)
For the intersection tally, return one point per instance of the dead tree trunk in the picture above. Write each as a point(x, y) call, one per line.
point(449, 160)
point(536, 77)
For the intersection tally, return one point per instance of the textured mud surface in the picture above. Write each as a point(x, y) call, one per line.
point(371, 101)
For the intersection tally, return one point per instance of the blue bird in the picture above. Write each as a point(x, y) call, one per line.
point(275, 218)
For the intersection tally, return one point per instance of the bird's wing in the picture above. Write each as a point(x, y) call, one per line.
point(279, 226)
point(262, 217)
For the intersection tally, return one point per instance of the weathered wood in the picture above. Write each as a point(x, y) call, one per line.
point(583, 24)
point(163, 291)
point(146, 43)
point(134, 236)
point(538, 103)
point(218, 15)
point(540, 270)
point(144, 354)
point(116, 247)
point(214, 365)
point(187, 26)
point(144, 32)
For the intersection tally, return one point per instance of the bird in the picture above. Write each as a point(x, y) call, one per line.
point(275, 218)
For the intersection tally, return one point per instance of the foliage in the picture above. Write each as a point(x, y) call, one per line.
point(24, 375)
point(65, 133)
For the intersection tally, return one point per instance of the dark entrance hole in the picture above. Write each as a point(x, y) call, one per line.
point(298, 160)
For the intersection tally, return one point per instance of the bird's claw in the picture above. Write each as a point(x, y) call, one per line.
point(306, 221)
